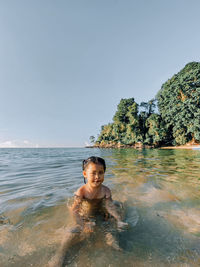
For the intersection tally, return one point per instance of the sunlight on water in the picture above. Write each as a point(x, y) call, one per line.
point(160, 190)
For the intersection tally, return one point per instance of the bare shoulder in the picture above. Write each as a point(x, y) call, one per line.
point(106, 191)
point(80, 192)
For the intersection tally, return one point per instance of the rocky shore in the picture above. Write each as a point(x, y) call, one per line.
point(141, 146)
point(138, 145)
point(182, 147)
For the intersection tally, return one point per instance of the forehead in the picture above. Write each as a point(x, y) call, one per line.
point(94, 166)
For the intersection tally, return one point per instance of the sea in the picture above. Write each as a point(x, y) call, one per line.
point(159, 189)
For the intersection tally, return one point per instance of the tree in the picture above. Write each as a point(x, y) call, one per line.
point(156, 134)
point(179, 104)
point(133, 133)
point(92, 139)
point(125, 125)
point(149, 106)
point(147, 109)
point(107, 134)
point(178, 121)
point(122, 110)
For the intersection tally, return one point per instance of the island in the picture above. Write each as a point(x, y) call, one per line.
point(171, 119)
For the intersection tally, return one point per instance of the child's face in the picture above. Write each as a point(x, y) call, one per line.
point(94, 173)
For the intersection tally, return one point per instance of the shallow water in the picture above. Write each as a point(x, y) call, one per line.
point(160, 190)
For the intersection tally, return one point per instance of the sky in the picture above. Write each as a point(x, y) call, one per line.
point(65, 64)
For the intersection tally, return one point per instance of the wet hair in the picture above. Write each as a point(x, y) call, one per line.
point(95, 160)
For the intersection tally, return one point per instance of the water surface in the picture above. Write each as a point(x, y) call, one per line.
point(160, 190)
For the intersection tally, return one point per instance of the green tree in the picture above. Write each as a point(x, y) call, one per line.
point(124, 127)
point(156, 134)
point(122, 110)
point(92, 139)
point(133, 134)
point(147, 108)
point(179, 104)
point(107, 134)
point(178, 121)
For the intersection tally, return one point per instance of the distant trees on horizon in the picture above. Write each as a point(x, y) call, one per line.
point(177, 121)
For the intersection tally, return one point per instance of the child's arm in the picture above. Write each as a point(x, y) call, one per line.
point(86, 226)
point(111, 208)
point(76, 208)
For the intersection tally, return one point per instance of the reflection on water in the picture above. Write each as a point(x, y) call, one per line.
point(160, 190)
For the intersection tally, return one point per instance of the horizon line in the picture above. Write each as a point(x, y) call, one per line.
point(49, 147)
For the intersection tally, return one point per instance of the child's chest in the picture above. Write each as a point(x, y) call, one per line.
point(94, 194)
point(91, 207)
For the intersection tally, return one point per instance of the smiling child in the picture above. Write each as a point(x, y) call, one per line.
point(93, 207)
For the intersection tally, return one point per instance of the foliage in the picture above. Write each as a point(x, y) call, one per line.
point(92, 139)
point(178, 121)
point(122, 110)
point(156, 134)
point(179, 104)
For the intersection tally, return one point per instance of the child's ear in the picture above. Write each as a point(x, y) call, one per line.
point(84, 174)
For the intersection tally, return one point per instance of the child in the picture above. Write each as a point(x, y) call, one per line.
point(92, 205)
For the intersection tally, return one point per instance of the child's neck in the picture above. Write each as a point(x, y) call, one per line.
point(93, 190)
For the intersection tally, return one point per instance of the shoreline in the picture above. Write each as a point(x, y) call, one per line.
point(182, 147)
point(197, 146)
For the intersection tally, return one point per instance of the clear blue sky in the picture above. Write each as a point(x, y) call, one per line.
point(65, 65)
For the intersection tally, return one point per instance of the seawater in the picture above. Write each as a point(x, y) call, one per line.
point(160, 190)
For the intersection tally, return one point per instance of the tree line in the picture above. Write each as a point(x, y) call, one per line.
point(171, 118)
